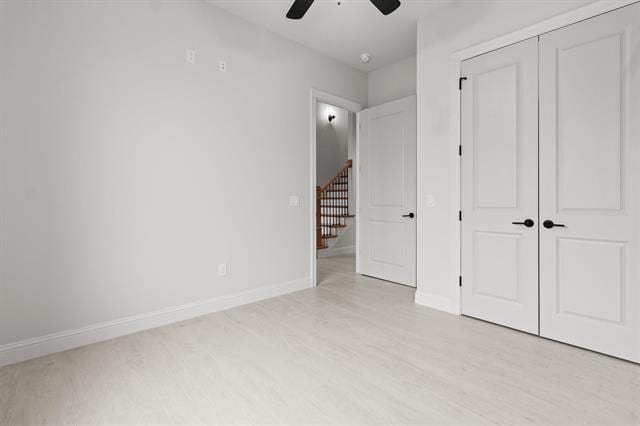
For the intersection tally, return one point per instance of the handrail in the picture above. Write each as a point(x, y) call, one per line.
point(340, 173)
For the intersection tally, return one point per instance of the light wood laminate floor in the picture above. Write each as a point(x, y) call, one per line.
point(355, 349)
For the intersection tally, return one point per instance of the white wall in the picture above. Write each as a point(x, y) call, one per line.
point(332, 141)
point(127, 174)
point(445, 31)
point(392, 82)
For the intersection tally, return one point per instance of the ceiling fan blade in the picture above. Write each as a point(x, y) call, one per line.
point(299, 8)
point(386, 6)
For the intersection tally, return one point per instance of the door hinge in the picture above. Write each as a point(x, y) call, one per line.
point(460, 215)
point(460, 80)
point(460, 280)
point(460, 150)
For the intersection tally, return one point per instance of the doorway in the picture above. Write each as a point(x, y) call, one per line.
point(364, 213)
point(332, 118)
point(335, 190)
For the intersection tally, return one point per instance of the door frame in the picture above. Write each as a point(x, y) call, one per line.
point(568, 18)
point(340, 102)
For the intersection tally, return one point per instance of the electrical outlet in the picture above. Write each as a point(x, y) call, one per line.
point(222, 269)
point(191, 56)
point(222, 65)
point(294, 201)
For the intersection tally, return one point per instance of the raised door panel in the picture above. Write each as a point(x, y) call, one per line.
point(590, 105)
point(496, 139)
point(591, 279)
point(387, 243)
point(497, 260)
point(387, 160)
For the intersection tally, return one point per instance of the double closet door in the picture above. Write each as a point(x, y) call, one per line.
point(551, 185)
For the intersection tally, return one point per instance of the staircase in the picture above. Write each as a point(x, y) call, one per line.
point(332, 207)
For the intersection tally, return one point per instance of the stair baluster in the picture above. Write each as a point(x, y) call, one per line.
point(332, 206)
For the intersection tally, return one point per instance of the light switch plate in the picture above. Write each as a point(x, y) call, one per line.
point(294, 201)
point(431, 200)
point(222, 269)
point(191, 56)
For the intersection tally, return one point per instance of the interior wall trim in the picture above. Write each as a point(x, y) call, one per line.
point(69, 339)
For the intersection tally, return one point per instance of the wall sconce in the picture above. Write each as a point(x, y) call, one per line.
point(332, 117)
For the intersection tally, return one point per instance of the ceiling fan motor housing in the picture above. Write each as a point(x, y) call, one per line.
point(300, 7)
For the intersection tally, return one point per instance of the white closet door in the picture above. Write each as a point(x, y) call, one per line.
point(500, 186)
point(590, 183)
point(387, 191)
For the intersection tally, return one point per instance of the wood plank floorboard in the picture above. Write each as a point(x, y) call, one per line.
point(352, 350)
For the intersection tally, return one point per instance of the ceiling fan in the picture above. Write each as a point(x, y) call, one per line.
point(300, 7)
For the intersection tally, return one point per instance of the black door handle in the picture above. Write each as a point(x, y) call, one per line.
point(549, 224)
point(528, 223)
point(411, 215)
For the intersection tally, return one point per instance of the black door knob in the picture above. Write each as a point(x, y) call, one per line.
point(549, 224)
point(527, 222)
point(411, 215)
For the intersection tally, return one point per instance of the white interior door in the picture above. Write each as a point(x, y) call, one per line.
point(387, 191)
point(500, 186)
point(590, 183)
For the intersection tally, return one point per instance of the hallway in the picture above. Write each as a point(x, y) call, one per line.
point(335, 268)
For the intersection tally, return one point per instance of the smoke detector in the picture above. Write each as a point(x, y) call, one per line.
point(365, 57)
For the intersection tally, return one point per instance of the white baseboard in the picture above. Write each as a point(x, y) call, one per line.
point(337, 251)
point(435, 302)
point(57, 342)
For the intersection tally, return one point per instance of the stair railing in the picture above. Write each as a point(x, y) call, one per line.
point(332, 206)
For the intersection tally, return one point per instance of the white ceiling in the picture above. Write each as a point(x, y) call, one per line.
point(342, 32)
